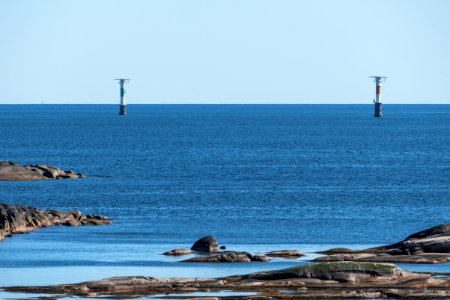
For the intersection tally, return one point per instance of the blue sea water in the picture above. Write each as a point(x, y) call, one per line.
point(257, 177)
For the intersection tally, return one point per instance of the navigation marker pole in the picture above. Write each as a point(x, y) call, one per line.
point(123, 104)
point(378, 109)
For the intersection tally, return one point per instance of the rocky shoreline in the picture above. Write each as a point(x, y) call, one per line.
point(339, 274)
point(429, 246)
point(10, 171)
point(340, 280)
point(23, 219)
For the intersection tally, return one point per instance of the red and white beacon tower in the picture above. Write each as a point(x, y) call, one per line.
point(378, 109)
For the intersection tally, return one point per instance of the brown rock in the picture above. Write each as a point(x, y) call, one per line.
point(321, 281)
point(432, 240)
point(427, 246)
point(13, 171)
point(22, 219)
point(71, 222)
point(338, 271)
point(228, 257)
point(207, 244)
point(424, 258)
point(261, 258)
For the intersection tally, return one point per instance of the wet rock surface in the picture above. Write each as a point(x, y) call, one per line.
point(178, 252)
point(11, 171)
point(228, 257)
point(429, 246)
point(22, 219)
point(320, 281)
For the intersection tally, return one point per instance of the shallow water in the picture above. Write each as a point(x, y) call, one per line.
point(258, 177)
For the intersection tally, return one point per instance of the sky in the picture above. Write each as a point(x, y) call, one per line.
point(227, 51)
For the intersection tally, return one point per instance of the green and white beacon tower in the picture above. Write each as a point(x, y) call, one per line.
point(123, 103)
point(377, 101)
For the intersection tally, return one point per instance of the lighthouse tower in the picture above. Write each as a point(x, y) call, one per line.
point(378, 104)
point(123, 103)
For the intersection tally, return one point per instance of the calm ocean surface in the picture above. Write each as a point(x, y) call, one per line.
point(257, 177)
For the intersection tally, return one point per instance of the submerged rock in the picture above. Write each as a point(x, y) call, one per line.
point(22, 219)
point(12, 171)
point(207, 244)
point(228, 257)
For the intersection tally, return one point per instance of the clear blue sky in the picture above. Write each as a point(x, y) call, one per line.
point(228, 51)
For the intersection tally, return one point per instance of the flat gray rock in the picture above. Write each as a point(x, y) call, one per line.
point(178, 252)
point(290, 254)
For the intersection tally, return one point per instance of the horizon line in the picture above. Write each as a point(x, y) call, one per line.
point(243, 103)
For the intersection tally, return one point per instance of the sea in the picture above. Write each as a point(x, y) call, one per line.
point(256, 177)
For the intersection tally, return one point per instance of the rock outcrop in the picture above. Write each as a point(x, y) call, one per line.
point(433, 240)
point(228, 257)
point(319, 281)
point(23, 219)
point(289, 254)
point(424, 258)
point(207, 244)
point(337, 251)
point(178, 252)
point(338, 271)
point(11, 171)
point(428, 246)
